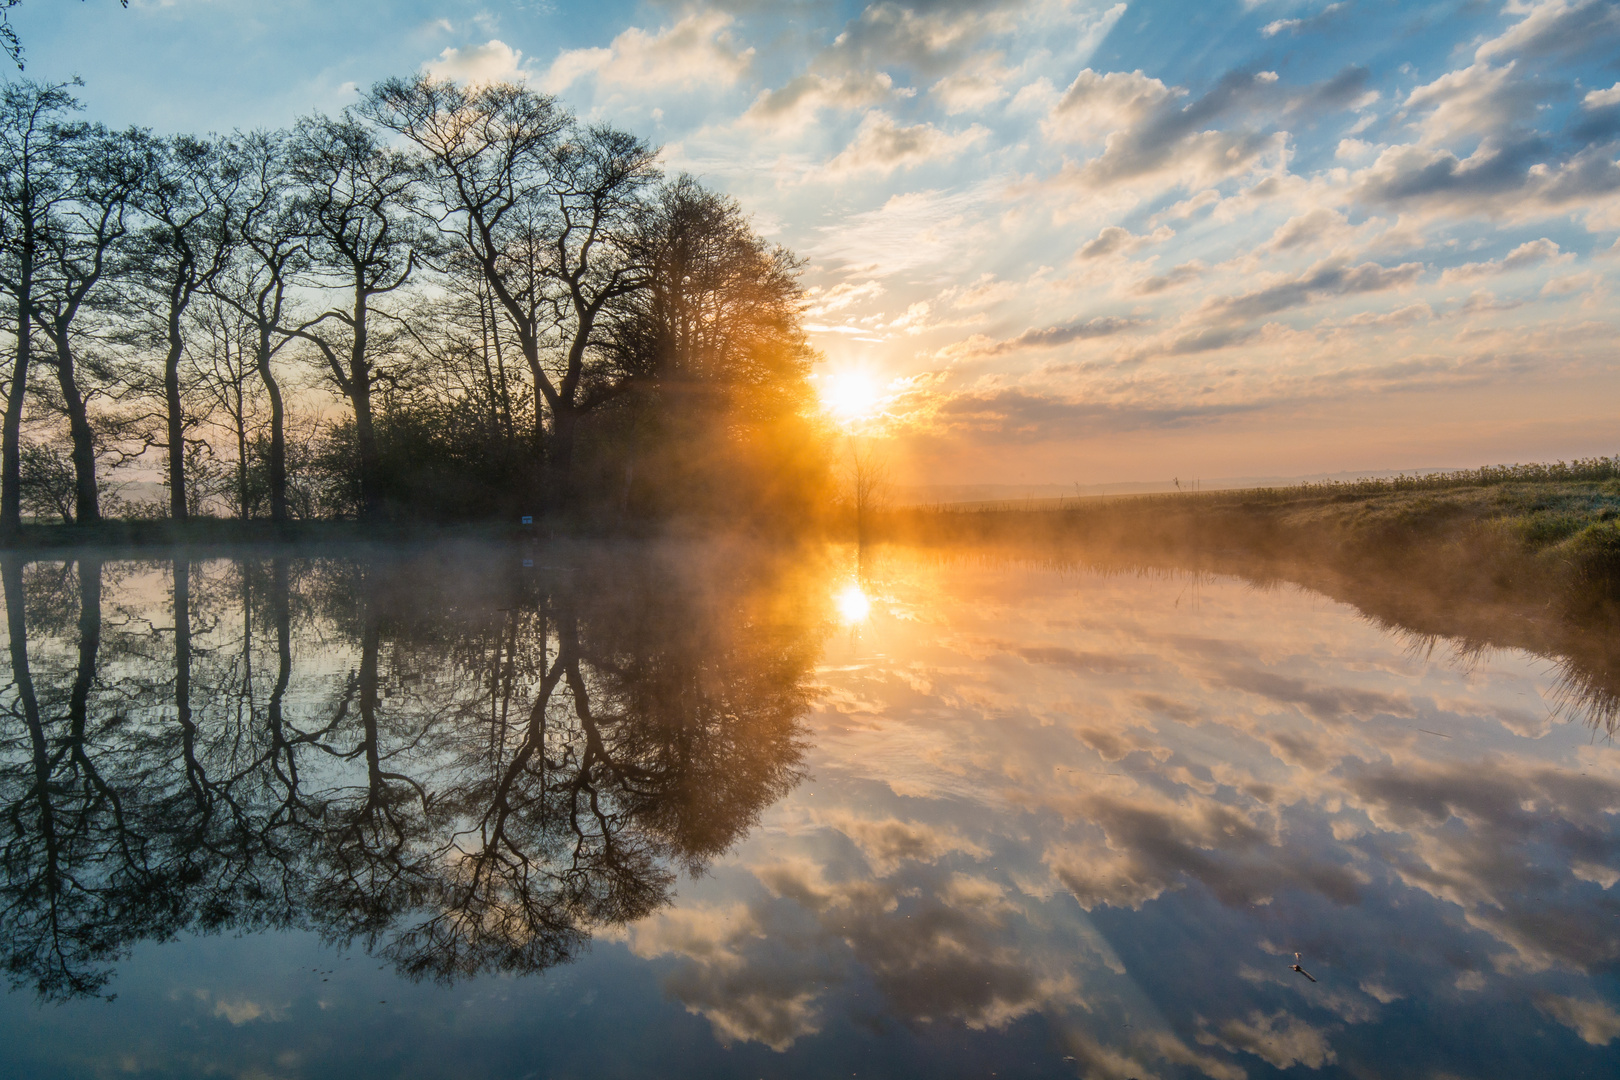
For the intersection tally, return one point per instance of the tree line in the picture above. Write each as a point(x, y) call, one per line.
point(446, 302)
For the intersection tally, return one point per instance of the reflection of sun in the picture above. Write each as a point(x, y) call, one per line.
point(853, 606)
point(850, 395)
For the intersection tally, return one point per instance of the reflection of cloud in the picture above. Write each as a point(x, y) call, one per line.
point(888, 842)
point(1487, 866)
point(1152, 843)
point(241, 1011)
point(772, 1004)
point(1594, 1021)
point(1262, 760)
point(1281, 1039)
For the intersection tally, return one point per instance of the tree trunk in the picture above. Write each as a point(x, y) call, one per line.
point(370, 646)
point(281, 611)
point(89, 645)
point(86, 506)
point(239, 418)
point(278, 434)
point(11, 571)
point(11, 438)
point(365, 434)
point(182, 682)
point(177, 424)
point(560, 458)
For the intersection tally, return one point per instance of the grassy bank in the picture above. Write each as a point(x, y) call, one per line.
point(1550, 528)
point(1526, 557)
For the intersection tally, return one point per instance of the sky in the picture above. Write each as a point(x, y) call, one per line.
point(1063, 241)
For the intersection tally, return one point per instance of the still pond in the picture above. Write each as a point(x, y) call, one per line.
point(690, 810)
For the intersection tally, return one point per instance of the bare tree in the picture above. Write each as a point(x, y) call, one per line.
point(226, 361)
point(594, 203)
point(489, 150)
point(868, 482)
point(188, 200)
point(359, 200)
point(78, 254)
point(543, 210)
point(35, 180)
point(271, 252)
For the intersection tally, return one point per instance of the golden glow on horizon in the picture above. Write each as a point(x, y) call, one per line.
point(853, 606)
point(850, 395)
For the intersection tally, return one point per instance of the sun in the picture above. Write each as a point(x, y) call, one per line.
point(850, 395)
point(853, 606)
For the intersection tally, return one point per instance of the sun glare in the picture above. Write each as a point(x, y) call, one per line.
point(853, 606)
point(850, 395)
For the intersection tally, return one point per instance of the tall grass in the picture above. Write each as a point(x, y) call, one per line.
point(1584, 470)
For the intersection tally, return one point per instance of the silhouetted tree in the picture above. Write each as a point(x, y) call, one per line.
point(186, 244)
point(37, 175)
point(358, 198)
point(78, 253)
point(271, 252)
point(543, 211)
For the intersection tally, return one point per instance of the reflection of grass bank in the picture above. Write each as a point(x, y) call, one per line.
point(165, 533)
point(1526, 557)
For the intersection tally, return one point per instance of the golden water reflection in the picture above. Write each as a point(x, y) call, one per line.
point(852, 604)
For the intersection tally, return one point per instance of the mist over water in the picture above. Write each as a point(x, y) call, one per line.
point(721, 810)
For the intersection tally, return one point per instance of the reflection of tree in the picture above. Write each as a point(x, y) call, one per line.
point(507, 763)
point(71, 856)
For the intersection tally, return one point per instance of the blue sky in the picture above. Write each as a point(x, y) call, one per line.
point(1072, 241)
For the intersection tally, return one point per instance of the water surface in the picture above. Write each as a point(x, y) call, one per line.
point(708, 811)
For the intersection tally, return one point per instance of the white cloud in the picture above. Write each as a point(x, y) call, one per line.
point(1096, 105)
point(1569, 283)
point(882, 145)
point(1528, 254)
point(697, 51)
point(969, 91)
point(1475, 100)
point(1353, 149)
point(796, 102)
point(1314, 228)
point(1326, 279)
point(1598, 99)
point(1115, 240)
point(493, 61)
point(1150, 141)
point(1555, 26)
